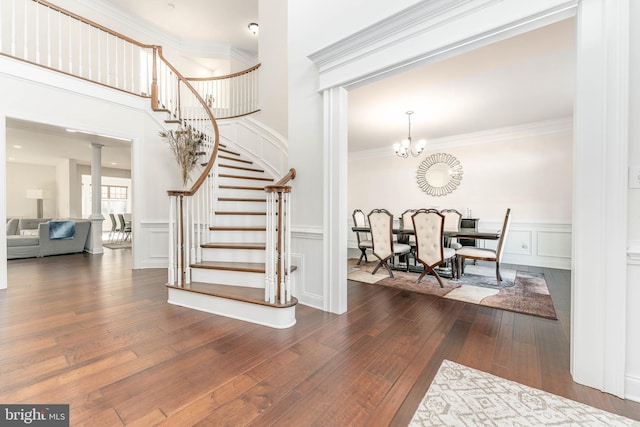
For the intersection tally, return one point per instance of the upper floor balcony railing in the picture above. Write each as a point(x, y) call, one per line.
point(43, 34)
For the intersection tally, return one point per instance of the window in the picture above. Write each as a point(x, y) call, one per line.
point(114, 192)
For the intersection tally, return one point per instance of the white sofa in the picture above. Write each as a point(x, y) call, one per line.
point(33, 239)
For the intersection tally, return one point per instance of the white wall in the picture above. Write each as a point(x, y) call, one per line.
point(22, 177)
point(531, 174)
point(273, 71)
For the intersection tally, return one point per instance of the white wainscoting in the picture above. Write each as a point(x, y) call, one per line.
point(632, 369)
point(307, 244)
point(152, 244)
point(528, 243)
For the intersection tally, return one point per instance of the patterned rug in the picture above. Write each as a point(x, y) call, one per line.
point(520, 291)
point(462, 396)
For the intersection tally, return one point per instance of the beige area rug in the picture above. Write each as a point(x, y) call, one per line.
point(521, 291)
point(462, 396)
point(121, 245)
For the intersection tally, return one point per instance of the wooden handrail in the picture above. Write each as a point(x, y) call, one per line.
point(228, 76)
point(93, 24)
point(282, 183)
point(214, 153)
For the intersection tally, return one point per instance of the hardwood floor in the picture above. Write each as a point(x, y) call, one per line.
point(88, 331)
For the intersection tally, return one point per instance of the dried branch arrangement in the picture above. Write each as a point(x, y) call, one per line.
point(185, 144)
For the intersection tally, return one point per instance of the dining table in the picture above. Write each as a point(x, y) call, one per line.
point(404, 233)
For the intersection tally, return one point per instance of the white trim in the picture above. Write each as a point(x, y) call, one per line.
point(633, 252)
point(632, 388)
point(512, 133)
point(307, 232)
point(279, 318)
point(389, 45)
point(598, 313)
point(335, 200)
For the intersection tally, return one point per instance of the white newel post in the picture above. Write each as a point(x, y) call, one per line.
point(94, 244)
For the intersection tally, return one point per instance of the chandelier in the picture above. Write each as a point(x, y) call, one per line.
point(405, 147)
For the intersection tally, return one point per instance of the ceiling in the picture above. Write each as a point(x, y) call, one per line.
point(524, 79)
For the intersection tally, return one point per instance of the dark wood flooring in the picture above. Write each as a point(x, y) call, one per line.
point(88, 331)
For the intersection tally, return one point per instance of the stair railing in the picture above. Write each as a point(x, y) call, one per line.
point(278, 241)
point(230, 96)
point(189, 209)
point(46, 35)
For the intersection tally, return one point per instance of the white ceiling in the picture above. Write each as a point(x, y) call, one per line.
point(525, 79)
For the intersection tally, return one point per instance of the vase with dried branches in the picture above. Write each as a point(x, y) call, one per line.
point(185, 144)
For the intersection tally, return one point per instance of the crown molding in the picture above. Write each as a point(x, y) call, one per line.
point(511, 133)
point(405, 24)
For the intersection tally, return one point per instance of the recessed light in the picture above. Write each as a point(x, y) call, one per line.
point(11, 158)
point(253, 27)
point(17, 146)
point(113, 163)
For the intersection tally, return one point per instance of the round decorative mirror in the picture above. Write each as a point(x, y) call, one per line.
point(439, 174)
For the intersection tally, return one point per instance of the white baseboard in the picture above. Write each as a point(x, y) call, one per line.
point(632, 388)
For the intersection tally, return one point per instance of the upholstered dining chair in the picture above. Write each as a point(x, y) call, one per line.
point(430, 251)
point(114, 228)
point(364, 241)
point(483, 254)
point(451, 223)
point(407, 224)
point(381, 223)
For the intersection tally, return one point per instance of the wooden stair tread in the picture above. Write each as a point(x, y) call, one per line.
point(225, 150)
point(230, 228)
point(237, 293)
point(173, 121)
point(239, 213)
point(249, 162)
point(255, 178)
point(244, 168)
point(240, 187)
point(247, 267)
point(233, 245)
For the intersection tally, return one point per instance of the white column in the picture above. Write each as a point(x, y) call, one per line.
point(3, 206)
point(599, 280)
point(94, 244)
point(335, 200)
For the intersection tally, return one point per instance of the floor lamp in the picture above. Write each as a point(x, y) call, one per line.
point(38, 195)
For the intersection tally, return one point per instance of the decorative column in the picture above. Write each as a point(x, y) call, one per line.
point(94, 244)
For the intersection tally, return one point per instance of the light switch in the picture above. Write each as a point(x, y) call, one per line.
point(634, 176)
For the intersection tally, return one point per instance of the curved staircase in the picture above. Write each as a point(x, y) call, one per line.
point(230, 277)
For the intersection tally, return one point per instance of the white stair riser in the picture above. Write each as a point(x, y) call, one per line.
point(234, 171)
point(241, 206)
point(228, 277)
point(237, 236)
point(240, 220)
point(233, 255)
point(247, 194)
point(263, 315)
point(243, 182)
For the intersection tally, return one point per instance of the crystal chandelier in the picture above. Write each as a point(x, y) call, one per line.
point(405, 147)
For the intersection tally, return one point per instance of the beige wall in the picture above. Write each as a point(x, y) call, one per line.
point(530, 174)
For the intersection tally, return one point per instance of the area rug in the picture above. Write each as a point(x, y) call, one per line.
point(463, 396)
point(520, 291)
point(121, 245)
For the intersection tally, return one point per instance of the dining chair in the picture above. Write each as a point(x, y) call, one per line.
point(114, 227)
point(430, 250)
point(381, 224)
point(364, 241)
point(125, 228)
point(484, 254)
point(452, 220)
point(406, 223)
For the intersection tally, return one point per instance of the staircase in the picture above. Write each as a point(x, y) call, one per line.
point(229, 233)
point(230, 278)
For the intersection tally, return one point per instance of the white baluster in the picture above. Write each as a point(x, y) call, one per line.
point(287, 229)
point(171, 271)
point(281, 235)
